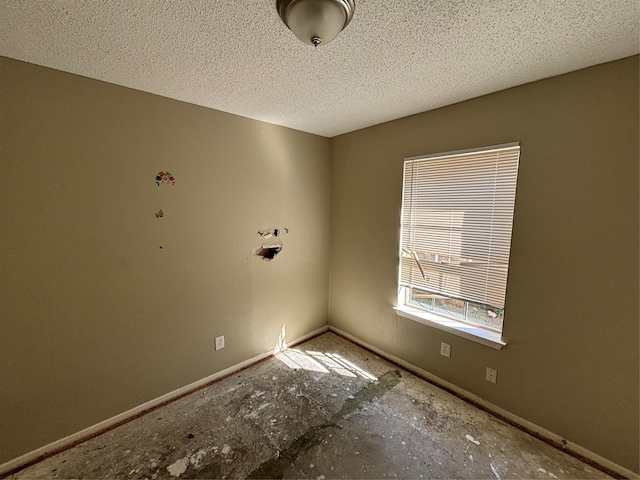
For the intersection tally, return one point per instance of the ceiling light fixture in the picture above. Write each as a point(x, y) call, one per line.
point(316, 22)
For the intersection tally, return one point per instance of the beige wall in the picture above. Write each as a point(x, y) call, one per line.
point(95, 318)
point(571, 317)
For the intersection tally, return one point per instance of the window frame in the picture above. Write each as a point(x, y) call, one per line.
point(406, 306)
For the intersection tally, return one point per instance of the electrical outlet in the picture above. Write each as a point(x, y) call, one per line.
point(492, 375)
point(445, 349)
point(219, 342)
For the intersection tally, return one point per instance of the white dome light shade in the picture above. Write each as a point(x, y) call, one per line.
point(316, 22)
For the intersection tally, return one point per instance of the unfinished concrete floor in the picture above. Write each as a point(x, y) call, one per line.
point(324, 409)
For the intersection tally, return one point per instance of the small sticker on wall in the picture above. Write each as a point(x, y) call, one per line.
point(165, 177)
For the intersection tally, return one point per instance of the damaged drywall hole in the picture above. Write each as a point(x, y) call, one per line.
point(269, 252)
point(160, 247)
point(159, 214)
point(268, 233)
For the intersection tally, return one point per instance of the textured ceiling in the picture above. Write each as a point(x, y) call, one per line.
point(396, 58)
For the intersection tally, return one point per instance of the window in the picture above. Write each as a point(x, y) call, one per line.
point(457, 215)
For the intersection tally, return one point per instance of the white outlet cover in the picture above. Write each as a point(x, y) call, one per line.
point(445, 349)
point(219, 342)
point(492, 375)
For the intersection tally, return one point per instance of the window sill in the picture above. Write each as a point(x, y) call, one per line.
point(475, 334)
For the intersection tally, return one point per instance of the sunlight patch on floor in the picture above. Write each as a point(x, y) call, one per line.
point(316, 361)
point(322, 362)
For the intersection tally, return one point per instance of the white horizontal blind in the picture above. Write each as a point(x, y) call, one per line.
point(457, 215)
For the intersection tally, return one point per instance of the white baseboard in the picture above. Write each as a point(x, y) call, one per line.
point(529, 427)
point(99, 428)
